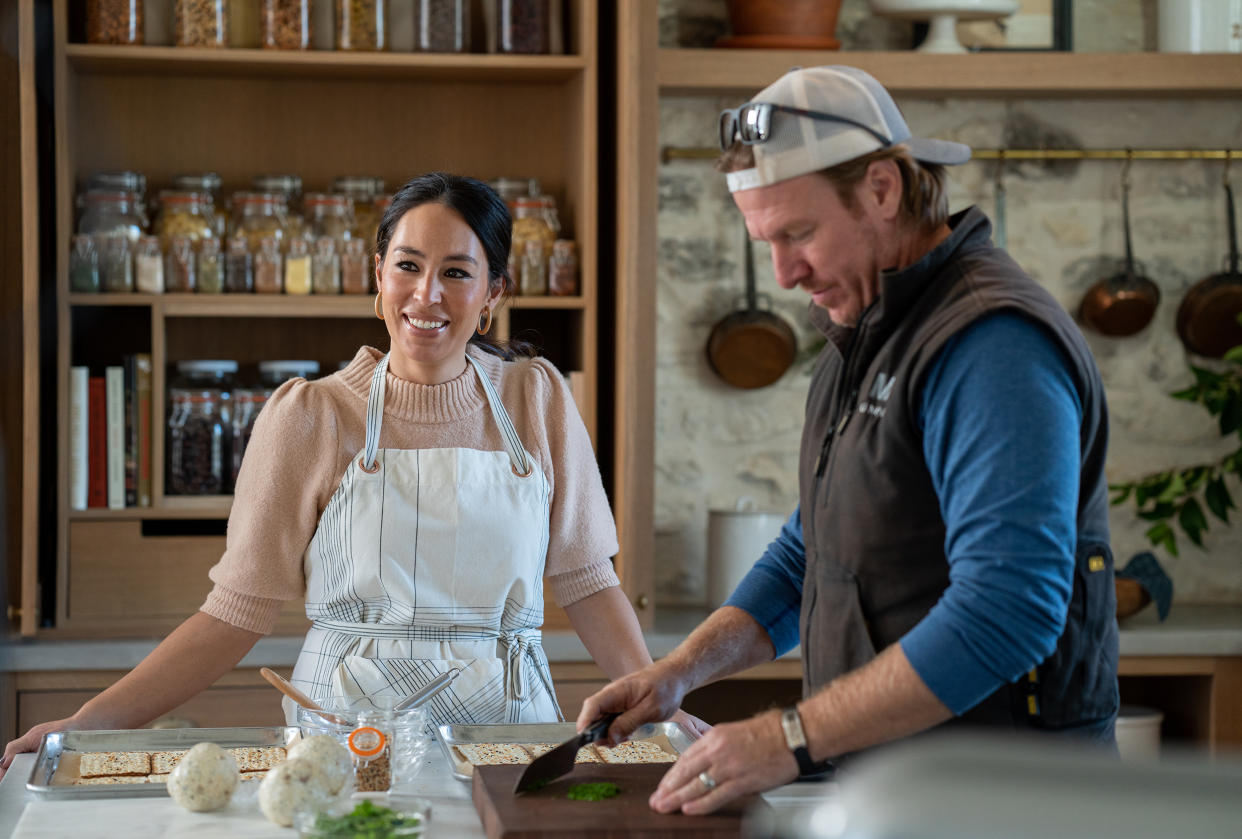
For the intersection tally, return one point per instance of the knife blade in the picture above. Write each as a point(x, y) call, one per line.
point(560, 761)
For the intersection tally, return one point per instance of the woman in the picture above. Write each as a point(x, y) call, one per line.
point(418, 499)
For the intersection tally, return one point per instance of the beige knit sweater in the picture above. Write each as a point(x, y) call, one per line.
point(308, 432)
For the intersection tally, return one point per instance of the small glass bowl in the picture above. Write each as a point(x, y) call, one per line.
point(411, 737)
point(327, 823)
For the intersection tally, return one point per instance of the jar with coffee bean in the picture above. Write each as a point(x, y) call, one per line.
point(201, 23)
point(441, 25)
point(114, 22)
point(285, 24)
point(200, 428)
point(361, 25)
point(523, 26)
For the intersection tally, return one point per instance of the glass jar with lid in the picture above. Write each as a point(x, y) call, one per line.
point(441, 25)
point(361, 24)
point(523, 26)
point(83, 264)
point(563, 268)
point(180, 271)
point(298, 267)
point(261, 215)
point(149, 266)
point(116, 262)
point(285, 24)
point(110, 212)
point(210, 266)
point(326, 267)
point(247, 402)
point(510, 189)
point(200, 428)
point(238, 266)
point(355, 268)
point(201, 23)
point(289, 189)
point(269, 277)
point(114, 22)
point(532, 233)
point(184, 214)
point(123, 181)
point(206, 184)
point(329, 214)
point(361, 190)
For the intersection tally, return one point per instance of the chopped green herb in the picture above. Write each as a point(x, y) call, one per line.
point(593, 792)
point(367, 821)
point(537, 785)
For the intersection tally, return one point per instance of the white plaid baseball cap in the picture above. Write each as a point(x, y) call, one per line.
point(853, 115)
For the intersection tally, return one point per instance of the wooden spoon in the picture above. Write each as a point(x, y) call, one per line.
point(284, 686)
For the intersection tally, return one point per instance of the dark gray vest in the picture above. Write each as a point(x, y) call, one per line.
point(870, 518)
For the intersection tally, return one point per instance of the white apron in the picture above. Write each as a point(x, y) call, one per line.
point(428, 559)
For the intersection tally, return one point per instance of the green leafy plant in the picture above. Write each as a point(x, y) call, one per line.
point(1179, 496)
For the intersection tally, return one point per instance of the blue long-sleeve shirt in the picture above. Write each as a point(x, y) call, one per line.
point(1000, 418)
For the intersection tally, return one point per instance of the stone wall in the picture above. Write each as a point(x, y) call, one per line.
point(715, 444)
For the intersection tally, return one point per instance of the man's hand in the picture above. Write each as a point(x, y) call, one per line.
point(692, 724)
point(652, 694)
point(731, 760)
point(29, 741)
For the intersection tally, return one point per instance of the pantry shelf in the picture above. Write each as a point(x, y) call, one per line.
point(265, 306)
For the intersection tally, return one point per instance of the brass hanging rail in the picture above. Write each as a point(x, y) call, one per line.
point(668, 153)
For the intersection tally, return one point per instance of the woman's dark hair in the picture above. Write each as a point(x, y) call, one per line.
point(488, 216)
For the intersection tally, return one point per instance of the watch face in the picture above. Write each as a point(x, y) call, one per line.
point(791, 724)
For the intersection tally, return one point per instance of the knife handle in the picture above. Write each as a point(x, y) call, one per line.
point(598, 730)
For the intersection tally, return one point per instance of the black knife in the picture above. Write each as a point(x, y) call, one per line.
point(560, 761)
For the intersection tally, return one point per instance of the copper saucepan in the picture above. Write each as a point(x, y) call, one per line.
point(1207, 320)
point(1124, 303)
point(751, 347)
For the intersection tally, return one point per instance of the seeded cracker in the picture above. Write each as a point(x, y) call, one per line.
point(102, 764)
point(163, 762)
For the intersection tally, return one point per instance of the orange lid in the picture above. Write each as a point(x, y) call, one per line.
point(367, 741)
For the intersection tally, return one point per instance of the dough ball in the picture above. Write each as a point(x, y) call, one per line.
point(331, 760)
point(204, 779)
point(289, 788)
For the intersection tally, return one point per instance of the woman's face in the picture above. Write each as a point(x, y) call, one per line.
point(433, 286)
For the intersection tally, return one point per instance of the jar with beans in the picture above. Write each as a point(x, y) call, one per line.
point(114, 22)
point(285, 24)
point(523, 26)
point(200, 428)
point(186, 214)
point(361, 24)
point(269, 275)
point(201, 23)
point(355, 268)
point(83, 265)
point(442, 25)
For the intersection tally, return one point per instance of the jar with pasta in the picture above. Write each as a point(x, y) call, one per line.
point(355, 268)
point(268, 267)
point(298, 268)
point(532, 244)
point(361, 25)
point(261, 215)
point(329, 215)
point(114, 22)
point(201, 23)
point(184, 214)
point(285, 24)
point(206, 184)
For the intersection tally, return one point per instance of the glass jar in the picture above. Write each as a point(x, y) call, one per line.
point(149, 266)
point(108, 212)
point(285, 24)
point(522, 26)
point(210, 266)
point(116, 263)
point(441, 25)
point(208, 185)
point(510, 189)
point(123, 181)
point(261, 215)
point(370, 743)
point(329, 215)
point(247, 402)
point(269, 275)
point(361, 190)
point(201, 23)
point(563, 268)
point(531, 232)
point(114, 22)
point(548, 207)
point(200, 428)
point(83, 264)
point(534, 279)
point(298, 268)
point(238, 267)
point(186, 214)
point(355, 268)
point(361, 24)
point(288, 189)
point(180, 275)
point(325, 267)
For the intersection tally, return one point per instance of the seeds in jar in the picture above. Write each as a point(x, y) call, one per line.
point(374, 775)
point(201, 23)
point(360, 24)
point(114, 21)
point(286, 24)
point(442, 25)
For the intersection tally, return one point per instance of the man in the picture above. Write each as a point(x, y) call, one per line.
point(949, 557)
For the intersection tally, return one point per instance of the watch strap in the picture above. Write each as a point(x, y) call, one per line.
point(795, 739)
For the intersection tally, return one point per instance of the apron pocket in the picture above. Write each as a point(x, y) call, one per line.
point(475, 697)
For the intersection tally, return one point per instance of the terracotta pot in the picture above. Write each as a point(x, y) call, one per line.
point(792, 24)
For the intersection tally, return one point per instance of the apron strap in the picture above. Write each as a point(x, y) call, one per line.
point(375, 415)
point(517, 453)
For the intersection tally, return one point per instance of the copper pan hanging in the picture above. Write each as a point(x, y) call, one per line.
point(1207, 320)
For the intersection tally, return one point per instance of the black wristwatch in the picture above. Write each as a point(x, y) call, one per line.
point(795, 739)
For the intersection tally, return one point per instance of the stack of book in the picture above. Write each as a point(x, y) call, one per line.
point(110, 435)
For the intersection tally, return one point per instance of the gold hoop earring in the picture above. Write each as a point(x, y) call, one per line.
point(485, 320)
point(379, 312)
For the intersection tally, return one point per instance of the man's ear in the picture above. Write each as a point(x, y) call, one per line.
point(881, 189)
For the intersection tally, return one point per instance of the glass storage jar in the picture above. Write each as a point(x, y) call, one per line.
point(201, 23)
point(184, 214)
point(261, 215)
point(355, 268)
point(208, 185)
point(441, 25)
point(83, 264)
point(287, 188)
point(563, 268)
point(522, 26)
point(531, 232)
point(534, 279)
point(361, 190)
point(108, 212)
point(269, 277)
point(298, 267)
point(149, 266)
point(116, 263)
point(180, 274)
point(210, 266)
point(114, 22)
point(247, 402)
point(123, 181)
point(238, 266)
point(200, 428)
point(329, 215)
point(285, 24)
point(325, 267)
point(361, 24)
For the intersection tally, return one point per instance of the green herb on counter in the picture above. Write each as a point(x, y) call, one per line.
point(367, 821)
point(593, 792)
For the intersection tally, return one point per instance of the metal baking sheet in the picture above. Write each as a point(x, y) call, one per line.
point(669, 735)
point(55, 765)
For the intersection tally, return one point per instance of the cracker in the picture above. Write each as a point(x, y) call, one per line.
point(587, 754)
point(537, 749)
point(635, 751)
point(258, 758)
point(111, 779)
point(158, 779)
point(163, 762)
point(102, 764)
point(257, 775)
point(492, 754)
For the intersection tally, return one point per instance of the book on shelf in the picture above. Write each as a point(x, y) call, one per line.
point(79, 437)
point(97, 432)
point(114, 381)
point(129, 457)
point(142, 426)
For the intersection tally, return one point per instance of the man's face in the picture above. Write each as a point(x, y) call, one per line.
point(817, 243)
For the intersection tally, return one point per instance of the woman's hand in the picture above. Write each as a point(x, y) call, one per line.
point(29, 741)
point(695, 726)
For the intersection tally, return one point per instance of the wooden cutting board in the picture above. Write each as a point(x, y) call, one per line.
point(548, 813)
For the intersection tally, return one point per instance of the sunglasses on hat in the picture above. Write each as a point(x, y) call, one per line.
point(752, 123)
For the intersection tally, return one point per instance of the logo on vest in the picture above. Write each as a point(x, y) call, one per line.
point(881, 389)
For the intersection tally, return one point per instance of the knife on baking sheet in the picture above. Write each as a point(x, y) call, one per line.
point(560, 761)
